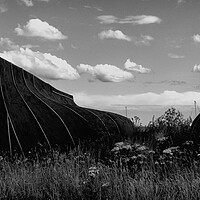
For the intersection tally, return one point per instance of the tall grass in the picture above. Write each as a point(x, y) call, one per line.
point(155, 165)
point(78, 176)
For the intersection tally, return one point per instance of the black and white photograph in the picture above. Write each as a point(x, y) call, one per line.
point(100, 99)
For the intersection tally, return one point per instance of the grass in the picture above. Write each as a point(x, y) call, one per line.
point(78, 176)
point(157, 166)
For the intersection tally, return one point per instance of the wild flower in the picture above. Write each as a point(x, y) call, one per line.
point(1, 158)
point(107, 184)
point(156, 163)
point(134, 157)
point(115, 149)
point(188, 142)
point(85, 182)
point(93, 172)
point(141, 148)
point(127, 147)
point(161, 139)
point(170, 150)
point(119, 144)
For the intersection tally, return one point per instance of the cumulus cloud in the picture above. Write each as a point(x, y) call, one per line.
point(105, 73)
point(138, 19)
point(141, 19)
point(196, 38)
point(196, 68)
point(131, 66)
point(38, 28)
point(107, 19)
point(8, 44)
point(43, 65)
point(165, 98)
point(117, 34)
point(175, 56)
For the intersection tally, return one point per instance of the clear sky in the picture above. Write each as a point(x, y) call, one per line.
point(108, 53)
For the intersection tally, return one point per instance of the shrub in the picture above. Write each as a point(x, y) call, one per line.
point(172, 124)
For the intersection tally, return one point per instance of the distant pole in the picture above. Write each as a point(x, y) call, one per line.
point(126, 111)
point(195, 108)
point(153, 119)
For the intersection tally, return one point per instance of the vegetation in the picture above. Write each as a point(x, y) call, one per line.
point(160, 162)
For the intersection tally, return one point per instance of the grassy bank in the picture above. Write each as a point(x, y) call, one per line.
point(78, 176)
point(160, 162)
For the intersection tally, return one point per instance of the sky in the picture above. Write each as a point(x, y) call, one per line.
point(109, 54)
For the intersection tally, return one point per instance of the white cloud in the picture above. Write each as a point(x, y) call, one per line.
point(98, 9)
point(131, 66)
point(86, 6)
point(141, 19)
point(38, 28)
point(196, 68)
point(43, 65)
point(147, 37)
point(90, 7)
point(196, 38)
point(117, 34)
point(8, 44)
point(113, 34)
point(138, 19)
point(3, 8)
point(28, 3)
point(107, 19)
point(175, 56)
point(106, 73)
point(109, 101)
point(144, 40)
